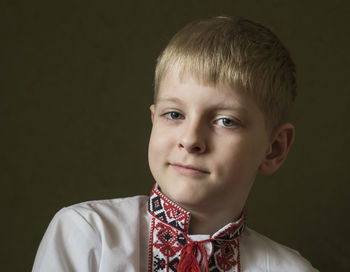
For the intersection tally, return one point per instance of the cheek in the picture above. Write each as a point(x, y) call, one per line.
point(159, 145)
point(153, 147)
point(162, 136)
point(239, 159)
point(153, 154)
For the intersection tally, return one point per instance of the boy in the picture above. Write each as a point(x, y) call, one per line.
point(223, 90)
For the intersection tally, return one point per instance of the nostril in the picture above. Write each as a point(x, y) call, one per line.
point(196, 148)
point(192, 145)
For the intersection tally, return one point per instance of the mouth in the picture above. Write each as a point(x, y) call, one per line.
point(189, 170)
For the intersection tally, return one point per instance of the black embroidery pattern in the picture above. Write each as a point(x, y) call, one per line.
point(169, 227)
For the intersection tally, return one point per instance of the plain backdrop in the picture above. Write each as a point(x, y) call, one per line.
point(76, 83)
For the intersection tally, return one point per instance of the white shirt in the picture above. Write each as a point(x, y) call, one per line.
point(114, 235)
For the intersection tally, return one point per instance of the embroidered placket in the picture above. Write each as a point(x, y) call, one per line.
point(169, 241)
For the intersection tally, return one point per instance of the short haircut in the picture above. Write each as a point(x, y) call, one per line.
point(239, 53)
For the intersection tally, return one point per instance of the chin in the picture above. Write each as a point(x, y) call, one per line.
point(183, 195)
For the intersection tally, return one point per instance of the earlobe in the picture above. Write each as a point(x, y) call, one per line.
point(281, 142)
point(152, 111)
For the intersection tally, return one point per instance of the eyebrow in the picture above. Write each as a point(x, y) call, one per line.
point(220, 106)
point(169, 99)
point(230, 106)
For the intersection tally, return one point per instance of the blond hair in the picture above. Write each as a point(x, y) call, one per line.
point(239, 53)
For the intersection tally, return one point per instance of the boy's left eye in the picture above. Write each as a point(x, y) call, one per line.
point(225, 122)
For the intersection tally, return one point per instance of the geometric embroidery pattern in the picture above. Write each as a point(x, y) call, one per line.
point(167, 211)
point(168, 236)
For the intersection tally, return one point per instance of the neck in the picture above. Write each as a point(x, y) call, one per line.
point(206, 218)
point(210, 222)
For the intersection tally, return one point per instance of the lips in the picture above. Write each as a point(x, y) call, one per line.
point(187, 169)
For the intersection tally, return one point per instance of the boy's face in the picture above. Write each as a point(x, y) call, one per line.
point(207, 143)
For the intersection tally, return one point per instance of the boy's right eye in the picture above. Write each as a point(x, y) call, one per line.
point(173, 115)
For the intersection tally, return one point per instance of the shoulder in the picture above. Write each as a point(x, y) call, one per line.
point(91, 220)
point(79, 235)
point(104, 207)
point(269, 255)
point(93, 213)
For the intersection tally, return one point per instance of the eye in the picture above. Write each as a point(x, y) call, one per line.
point(173, 115)
point(226, 122)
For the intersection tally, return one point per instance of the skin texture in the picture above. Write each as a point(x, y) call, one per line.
point(206, 147)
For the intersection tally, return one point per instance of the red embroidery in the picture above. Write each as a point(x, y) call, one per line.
point(168, 238)
point(173, 212)
point(227, 256)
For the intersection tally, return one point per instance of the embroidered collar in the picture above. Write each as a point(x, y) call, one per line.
point(169, 236)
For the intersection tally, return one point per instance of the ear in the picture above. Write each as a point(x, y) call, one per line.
point(282, 139)
point(152, 111)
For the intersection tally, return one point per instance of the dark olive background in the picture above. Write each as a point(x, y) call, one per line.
point(76, 84)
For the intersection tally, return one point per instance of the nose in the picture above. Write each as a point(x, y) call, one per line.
point(193, 139)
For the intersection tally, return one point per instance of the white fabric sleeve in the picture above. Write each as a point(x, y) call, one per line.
point(269, 255)
point(69, 244)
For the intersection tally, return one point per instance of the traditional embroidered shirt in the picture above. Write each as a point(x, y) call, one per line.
point(148, 234)
point(169, 238)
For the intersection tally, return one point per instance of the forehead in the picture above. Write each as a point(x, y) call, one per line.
point(185, 89)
